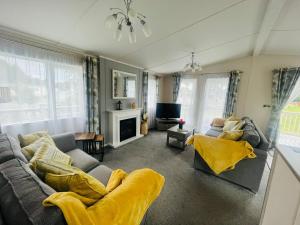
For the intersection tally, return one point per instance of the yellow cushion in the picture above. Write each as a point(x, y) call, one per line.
point(45, 166)
point(233, 118)
point(50, 153)
point(30, 138)
point(116, 178)
point(239, 125)
point(32, 148)
point(233, 135)
point(228, 125)
point(78, 182)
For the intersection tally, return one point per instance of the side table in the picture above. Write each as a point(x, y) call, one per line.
point(87, 140)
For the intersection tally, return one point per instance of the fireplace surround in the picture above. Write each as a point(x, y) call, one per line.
point(124, 126)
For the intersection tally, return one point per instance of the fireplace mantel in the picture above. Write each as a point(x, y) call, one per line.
point(115, 116)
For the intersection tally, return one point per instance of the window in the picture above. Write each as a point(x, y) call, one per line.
point(202, 98)
point(35, 91)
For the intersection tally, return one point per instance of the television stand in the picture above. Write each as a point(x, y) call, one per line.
point(165, 124)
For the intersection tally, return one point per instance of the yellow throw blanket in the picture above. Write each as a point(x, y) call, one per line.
point(125, 205)
point(221, 154)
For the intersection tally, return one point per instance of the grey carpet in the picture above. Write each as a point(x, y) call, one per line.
point(190, 197)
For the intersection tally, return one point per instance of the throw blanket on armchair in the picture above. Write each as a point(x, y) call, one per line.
point(125, 205)
point(221, 154)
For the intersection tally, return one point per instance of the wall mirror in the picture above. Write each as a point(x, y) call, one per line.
point(123, 85)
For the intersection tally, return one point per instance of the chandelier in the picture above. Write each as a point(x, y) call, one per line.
point(128, 17)
point(193, 66)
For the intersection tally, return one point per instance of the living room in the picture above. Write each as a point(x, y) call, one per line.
point(118, 112)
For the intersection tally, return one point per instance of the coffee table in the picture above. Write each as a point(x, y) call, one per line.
point(180, 135)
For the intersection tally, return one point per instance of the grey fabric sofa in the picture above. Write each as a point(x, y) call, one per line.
point(248, 172)
point(22, 192)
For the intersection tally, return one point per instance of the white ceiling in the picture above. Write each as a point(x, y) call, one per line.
point(216, 30)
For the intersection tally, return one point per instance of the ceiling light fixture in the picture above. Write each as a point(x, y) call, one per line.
point(193, 66)
point(129, 17)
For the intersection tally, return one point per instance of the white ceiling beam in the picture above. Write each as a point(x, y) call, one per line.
point(271, 15)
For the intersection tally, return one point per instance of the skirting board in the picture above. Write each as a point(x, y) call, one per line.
point(126, 141)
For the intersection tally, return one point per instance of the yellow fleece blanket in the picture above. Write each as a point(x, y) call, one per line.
point(221, 154)
point(125, 205)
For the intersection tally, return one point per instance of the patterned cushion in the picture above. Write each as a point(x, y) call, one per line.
point(31, 149)
point(30, 138)
point(50, 153)
point(251, 135)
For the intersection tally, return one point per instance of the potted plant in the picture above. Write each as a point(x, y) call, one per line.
point(181, 123)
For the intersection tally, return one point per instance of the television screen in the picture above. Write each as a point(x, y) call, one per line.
point(168, 110)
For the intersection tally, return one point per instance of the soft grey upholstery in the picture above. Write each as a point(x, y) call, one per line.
point(10, 149)
point(248, 172)
point(65, 142)
point(21, 196)
point(82, 160)
point(102, 173)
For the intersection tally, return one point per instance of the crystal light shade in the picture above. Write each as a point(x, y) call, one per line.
point(110, 21)
point(193, 66)
point(131, 35)
point(118, 33)
point(146, 29)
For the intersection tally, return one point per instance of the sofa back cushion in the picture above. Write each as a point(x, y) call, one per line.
point(65, 142)
point(263, 143)
point(21, 196)
point(10, 149)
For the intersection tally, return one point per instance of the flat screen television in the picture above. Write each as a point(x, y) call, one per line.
point(168, 110)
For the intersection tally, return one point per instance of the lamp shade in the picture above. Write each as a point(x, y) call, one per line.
point(118, 33)
point(131, 35)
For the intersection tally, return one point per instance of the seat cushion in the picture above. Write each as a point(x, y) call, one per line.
point(22, 194)
point(10, 149)
point(101, 173)
point(82, 160)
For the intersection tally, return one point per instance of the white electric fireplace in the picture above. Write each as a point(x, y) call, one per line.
point(124, 126)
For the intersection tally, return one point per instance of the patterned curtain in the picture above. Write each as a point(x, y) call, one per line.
point(92, 77)
point(284, 81)
point(157, 79)
point(231, 96)
point(176, 85)
point(145, 92)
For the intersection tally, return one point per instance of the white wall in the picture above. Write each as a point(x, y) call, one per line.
point(256, 83)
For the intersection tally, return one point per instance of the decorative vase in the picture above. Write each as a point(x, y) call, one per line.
point(180, 126)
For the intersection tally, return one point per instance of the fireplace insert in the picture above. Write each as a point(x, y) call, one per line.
point(127, 129)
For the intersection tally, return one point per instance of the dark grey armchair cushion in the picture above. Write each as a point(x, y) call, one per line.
point(22, 194)
point(10, 149)
point(250, 135)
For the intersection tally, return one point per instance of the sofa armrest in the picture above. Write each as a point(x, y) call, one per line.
point(65, 142)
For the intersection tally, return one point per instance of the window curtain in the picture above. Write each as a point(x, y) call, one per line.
point(176, 85)
point(40, 90)
point(92, 76)
point(145, 92)
point(284, 81)
point(202, 98)
point(231, 97)
point(153, 98)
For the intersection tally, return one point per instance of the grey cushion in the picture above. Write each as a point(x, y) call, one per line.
point(213, 133)
point(22, 194)
point(250, 135)
point(65, 142)
point(82, 160)
point(219, 129)
point(102, 173)
point(10, 149)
